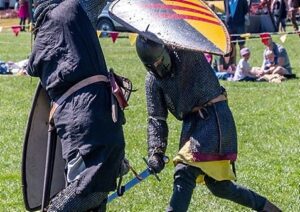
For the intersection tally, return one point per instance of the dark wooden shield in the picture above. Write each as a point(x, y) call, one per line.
point(188, 24)
point(34, 154)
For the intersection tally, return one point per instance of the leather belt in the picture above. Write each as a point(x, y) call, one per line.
point(74, 88)
point(219, 98)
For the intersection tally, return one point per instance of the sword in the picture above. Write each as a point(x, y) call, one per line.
point(139, 178)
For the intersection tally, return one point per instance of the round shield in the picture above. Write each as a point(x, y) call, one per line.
point(34, 154)
point(189, 24)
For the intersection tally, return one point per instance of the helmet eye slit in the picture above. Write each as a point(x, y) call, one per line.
point(155, 56)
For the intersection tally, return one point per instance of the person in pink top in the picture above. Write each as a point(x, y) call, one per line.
point(23, 13)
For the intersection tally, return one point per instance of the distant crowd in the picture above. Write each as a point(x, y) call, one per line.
point(274, 12)
point(275, 66)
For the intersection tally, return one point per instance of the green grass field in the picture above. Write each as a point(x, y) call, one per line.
point(266, 115)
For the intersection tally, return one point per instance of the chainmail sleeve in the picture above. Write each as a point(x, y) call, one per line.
point(93, 9)
point(157, 116)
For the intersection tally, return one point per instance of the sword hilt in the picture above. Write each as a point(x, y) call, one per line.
point(165, 159)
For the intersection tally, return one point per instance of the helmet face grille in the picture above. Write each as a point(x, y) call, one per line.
point(154, 56)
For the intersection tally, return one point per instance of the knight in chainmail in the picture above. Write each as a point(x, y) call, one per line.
point(183, 83)
point(66, 51)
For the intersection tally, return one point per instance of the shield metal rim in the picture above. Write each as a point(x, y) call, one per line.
point(154, 37)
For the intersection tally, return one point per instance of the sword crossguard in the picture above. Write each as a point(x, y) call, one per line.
point(137, 179)
point(166, 160)
point(150, 170)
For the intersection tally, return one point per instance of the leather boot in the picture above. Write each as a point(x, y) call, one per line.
point(270, 207)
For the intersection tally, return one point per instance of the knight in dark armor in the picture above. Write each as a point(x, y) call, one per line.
point(182, 82)
point(67, 54)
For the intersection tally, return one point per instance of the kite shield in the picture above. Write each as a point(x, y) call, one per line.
point(187, 24)
point(34, 154)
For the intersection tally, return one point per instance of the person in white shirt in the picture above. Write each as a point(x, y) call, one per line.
point(244, 72)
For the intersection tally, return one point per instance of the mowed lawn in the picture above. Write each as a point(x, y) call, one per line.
point(266, 115)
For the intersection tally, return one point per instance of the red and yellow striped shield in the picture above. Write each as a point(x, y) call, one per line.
point(189, 24)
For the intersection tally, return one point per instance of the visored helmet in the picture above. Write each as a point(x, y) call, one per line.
point(154, 56)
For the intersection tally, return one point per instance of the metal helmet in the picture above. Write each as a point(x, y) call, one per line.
point(154, 56)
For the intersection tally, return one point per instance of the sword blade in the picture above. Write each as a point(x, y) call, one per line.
point(142, 176)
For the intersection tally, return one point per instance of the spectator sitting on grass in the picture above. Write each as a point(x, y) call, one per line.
point(281, 57)
point(244, 72)
point(272, 72)
point(226, 66)
point(271, 66)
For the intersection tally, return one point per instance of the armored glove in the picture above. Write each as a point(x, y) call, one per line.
point(156, 162)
